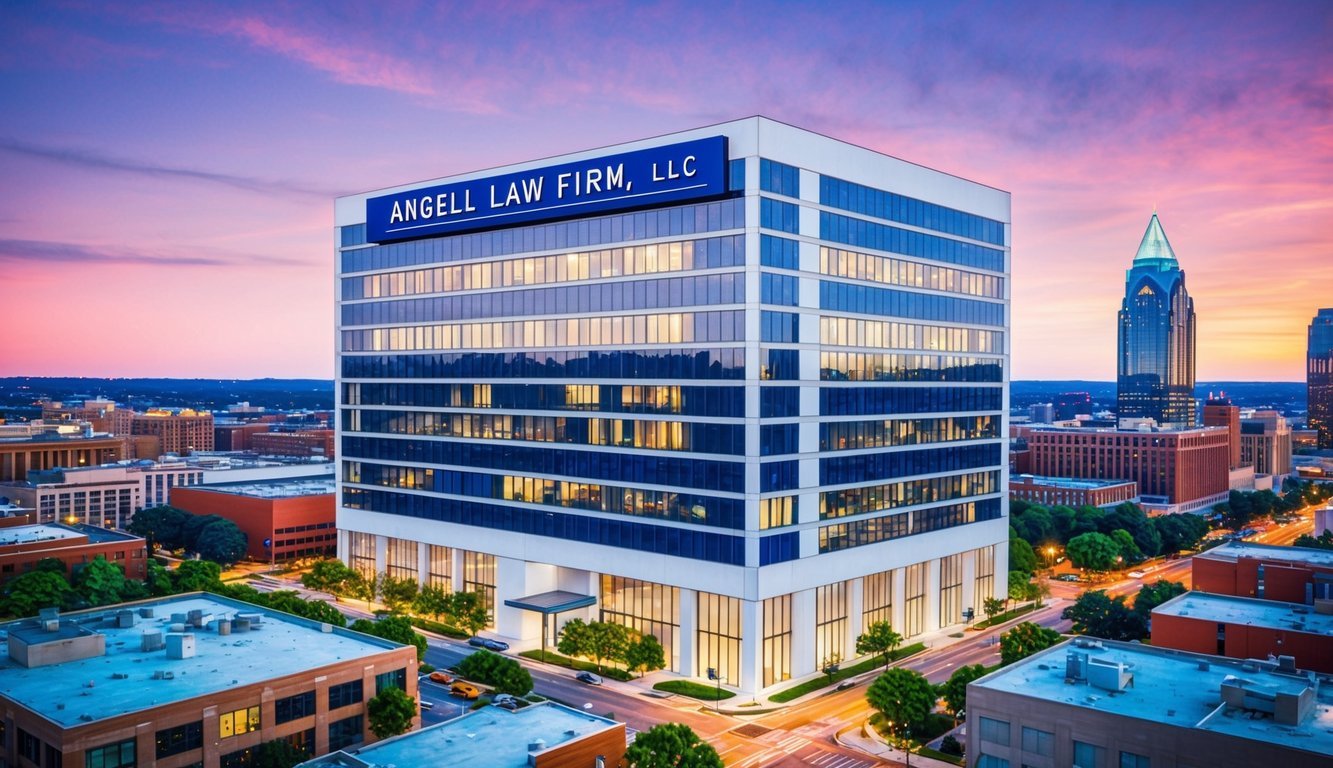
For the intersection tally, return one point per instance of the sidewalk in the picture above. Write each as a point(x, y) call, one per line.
point(863, 738)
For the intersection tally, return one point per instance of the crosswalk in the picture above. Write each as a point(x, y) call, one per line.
point(832, 760)
point(782, 745)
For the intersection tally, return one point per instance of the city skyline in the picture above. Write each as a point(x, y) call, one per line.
point(178, 164)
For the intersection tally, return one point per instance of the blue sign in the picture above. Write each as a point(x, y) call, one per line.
point(646, 177)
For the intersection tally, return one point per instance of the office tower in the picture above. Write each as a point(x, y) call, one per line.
point(1220, 412)
point(1155, 370)
point(1319, 376)
point(742, 388)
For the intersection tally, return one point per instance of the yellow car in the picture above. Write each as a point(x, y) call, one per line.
point(464, 690)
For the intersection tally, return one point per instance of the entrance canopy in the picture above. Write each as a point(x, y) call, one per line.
point(548, 603)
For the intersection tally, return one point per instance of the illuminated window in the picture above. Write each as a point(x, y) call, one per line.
point(777, 512)
point(777, 639)
point(238, 722)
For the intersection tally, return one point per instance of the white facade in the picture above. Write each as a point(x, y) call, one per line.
point(927, 578)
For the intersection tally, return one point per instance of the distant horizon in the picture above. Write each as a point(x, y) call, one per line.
point(1197, 383)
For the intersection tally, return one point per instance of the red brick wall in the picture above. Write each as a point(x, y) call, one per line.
point(1188, 633)
point(257, 518)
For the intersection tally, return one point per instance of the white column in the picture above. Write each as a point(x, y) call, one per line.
point(752, 673)
point(933, 594)
point(802, 633)
point(456, 569)
point(345, 546)
point(689, 624)
point(855, 609)
point(970, 598)
point(423, 563)
point(381, 554)
point(898, 583)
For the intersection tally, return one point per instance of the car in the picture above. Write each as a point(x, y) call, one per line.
point(427, 705)
point(1067, 577)
point(589, 678)
point(443, 678)
point(505, 701)
point(465, 690)
point(1137, 574)
point(845, 684)
point(477, 641)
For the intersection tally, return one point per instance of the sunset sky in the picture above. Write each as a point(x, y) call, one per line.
point(167, 171)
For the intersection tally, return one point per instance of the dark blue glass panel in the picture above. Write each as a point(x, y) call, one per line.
point(779, 402)
point(882, 237)
point(728, 401)
point(779, 252)
point(775, 214)
point(782, 327)
point(779, 178)
point(781, 364)
point(779, 548)
point(857, 401)
point(779, 476)
point(875, 466)
point(725, 363)
point(890, 302)
point(836, 193)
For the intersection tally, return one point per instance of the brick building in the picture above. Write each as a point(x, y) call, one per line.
point(1219, 412)
point(1177, 471)
point(1053, 491)
point(189, 680)
point(297, 516)
point(23, 543)
point(19, 456)
point(236, 437)
point(180, 432)
point(306, 442)
point(546, 735)
point(1287, 574)
point(1246, 628)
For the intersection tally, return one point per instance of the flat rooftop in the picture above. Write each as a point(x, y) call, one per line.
point(493, 737)
point(1068, 482)
point(1236, 550)
point(277, 488)
point(123, 681)
point(1173, 688)
point(31, 534)
point(1250, 611)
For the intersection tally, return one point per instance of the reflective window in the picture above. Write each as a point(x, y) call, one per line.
point(877, 598)
point(777, 639)
point(780, 364)
point(779, 402)
point(874, 466)
point(779, 178)
point(951, 589)
point(994, 731)
point(984, 574)
point(344, 733)
point(718, 641)
point(441, 569)
point(361, 553)
point(182, 738)
point(292, 708)
point(779, 476)
point(779, 252)
point(895, 366)
point(779, 548)
point(345, 694)
point(859, 233)
point(118, 755)
point(869, 300)
point(830, 623)
point(777, 439)
point(775, 214)
point(615, 398)
point(401, 559)
point(914, 600)
point(646, 608)
point(869, 201)
point(782, 327)
point(715, 363)
point(1131, 760)
point(836, 262)
point(1089, 755)
point(479, 576)
point(886, 334)
point(1038, 742)
point(779, 289)
point(857, 401)
point(853, 435)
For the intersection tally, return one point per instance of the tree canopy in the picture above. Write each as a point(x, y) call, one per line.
point(396, 628)
point(954, 690)
point(1094, 551)
point(1024, 640)
point(1152, 595)
point(880, 638)
point(904, 696)
point(1097, 614)
point(390, 712)
point(671, 745)
point(645, 654)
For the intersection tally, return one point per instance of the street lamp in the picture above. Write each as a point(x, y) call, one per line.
point(717, 702)
point(1050, 556)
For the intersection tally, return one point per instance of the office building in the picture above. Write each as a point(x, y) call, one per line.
point(1220, 412)
point(282, 519)
point(1064, 491)
point(1070, 405)
point(1041, 413)
point(236, 436)
point(179, 432)
point(1102, 704)
point(545, 735)
point(188, 680)
point(1155, 367)
point(1319, 376)
point(21, 454)
point(23, 544)
point(1265, 443)
point(1176, 471)
point(1246, 628)
point(302, 443)
point(758, 411)
point(1245, 569)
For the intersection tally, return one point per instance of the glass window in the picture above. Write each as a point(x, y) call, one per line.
point(344, 694)
point(914, 600)
point(1089, 755)
point(393, 679)
point(1038, 742)
point(294, 707)
point(779, 178)
point(994, 731)
point(344, 733)
point(182, 738)
point(401, 559)
point(719, 637)
point(984, 574)
point(479, 577)
point(777, 639)
point(118, 755)
point(951, 589)
point(830, 623)
point(361, 548)
point(991, 761)
point(646, 608)
point(877, 598)
point(441, 567)
point(238, 722)
point(1131, 760)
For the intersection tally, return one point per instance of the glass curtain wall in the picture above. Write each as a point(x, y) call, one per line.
point(877, 598)
point(361, 552)
point(830, 623)
point(441, 570)
point(479, 576)
point(646, 608)
point(914, 600)
point(719, 637)
point(984, 576)
point(951, 589)
point(400, 559)
point(777, 639)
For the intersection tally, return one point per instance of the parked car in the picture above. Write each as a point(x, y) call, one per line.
point(589, 678)
point(477, 641)
point(1136, 574)
point(443, 678)
point(485, 642)
point(465, 690)
point(505, 701)
point(1067, 577)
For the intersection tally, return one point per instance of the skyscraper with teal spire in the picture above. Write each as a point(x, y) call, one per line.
point(1155, 370)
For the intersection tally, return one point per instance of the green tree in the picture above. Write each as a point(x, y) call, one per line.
point(880, 638)
point(1018, 585)
point(954, 690)
point(609, 642)
point(1182, 531)
point(396, 628)
point(52, 564)
point(904, 697)
point(431, 601)
point(645, 654)
point(468, 612)
point(278, 753)
point(1129, 551)
point(1034, 524)
point(28, 593)
point(1094, 551)
point(316, 610)
point(328, 576)
point(159, 581)
point(221, 541)
point(390, 712)
point(362, 587)
point(1024, 640)
point(993, 606)
point(510, 677)
point(575, 639)
point(1133, 520)
point(100, 582)
point(1152, 595)
point(397, 593)
point(671, 745)
point(1021, 556)
point(196, 576)
point(161, 526)
point(192, 526)
point(1097, 614)
point(1325, 541)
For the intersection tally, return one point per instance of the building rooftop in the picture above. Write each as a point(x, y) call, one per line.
point(129, 679)
point(30, 534)
point(278, 488)
point(1175, 688)
point(493, 737)
point(1069, 482)
point(1229, 609)
point(1236, 550)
